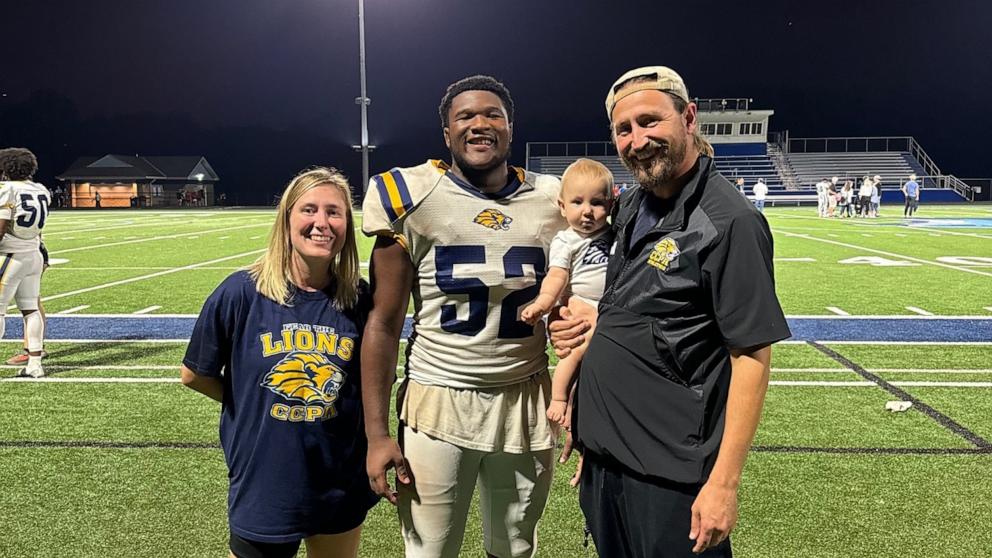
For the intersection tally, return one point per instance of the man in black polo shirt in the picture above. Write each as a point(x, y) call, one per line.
point(673, 382)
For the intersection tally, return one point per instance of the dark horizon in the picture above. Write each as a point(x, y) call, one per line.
point(263, 88)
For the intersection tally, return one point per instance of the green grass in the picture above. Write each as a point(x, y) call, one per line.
point(96, 501)
point(842, 506)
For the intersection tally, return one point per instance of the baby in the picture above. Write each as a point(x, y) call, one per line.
point(577, 265)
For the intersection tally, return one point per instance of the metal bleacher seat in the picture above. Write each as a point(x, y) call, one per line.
point(751, 168)
point(892, 166)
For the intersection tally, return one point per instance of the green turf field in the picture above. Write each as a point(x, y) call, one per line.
point(112, 457)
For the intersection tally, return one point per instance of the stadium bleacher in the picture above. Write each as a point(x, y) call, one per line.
point(556, 165)
point(791, 177)
point(750, 168)
point(892, 166)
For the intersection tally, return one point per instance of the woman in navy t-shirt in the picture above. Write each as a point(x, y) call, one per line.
point(278, 345)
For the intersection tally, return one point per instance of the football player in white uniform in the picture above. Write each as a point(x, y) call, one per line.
point(470, 241)
point(23, 211)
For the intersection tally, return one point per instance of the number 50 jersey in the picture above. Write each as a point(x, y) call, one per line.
point(25, 205)
point(478, 260)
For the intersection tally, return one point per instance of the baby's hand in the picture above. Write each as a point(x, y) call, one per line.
point(556, 412)
point(532, 313)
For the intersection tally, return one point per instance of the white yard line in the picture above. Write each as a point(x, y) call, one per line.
point(885, 253)
point(920, 343)
point(919, 311)
point(837, 311)
point(62, 267)
point(788, 383)
point(942, 384)
point(931, 371)
point(148, 276)
point(49, 380)
point(132, 316)
point(989, 308)
point(922, 230)
point(156, 238)
point(809, 370)
point(147, 310)
point(109, 367)
point(922, 371)
point(886, 317)
point(795, 259)
point(125, 225)
point(73, 309)
point(799, 383)
point(21, 341)
point(796, 383)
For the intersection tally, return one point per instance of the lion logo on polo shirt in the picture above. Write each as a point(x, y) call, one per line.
point(493, 219)
point(665, 252)
point(305, 377)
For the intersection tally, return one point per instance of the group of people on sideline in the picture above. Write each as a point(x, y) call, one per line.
point(863, 200)
point(847, 199)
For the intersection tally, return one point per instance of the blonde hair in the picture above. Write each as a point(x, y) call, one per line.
point(588, 169)
point(702, 145)
point(272, 271)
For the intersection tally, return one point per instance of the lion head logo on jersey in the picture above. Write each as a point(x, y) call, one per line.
point(494, 219)
point(305, 377)
point(664, 253)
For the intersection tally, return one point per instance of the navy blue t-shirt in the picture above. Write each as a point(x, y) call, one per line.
point(291, 421)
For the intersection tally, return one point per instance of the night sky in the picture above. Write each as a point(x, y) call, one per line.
point(264, 88)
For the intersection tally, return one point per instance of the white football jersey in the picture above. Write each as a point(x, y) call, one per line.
point(479, 259)
point(25, 205)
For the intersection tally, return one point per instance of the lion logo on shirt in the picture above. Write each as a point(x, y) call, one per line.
point(665, 252)
point(493, 219)
point(305, 377)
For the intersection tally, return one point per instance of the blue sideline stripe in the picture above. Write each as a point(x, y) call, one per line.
point(909, 330)
point(803, 329)
point(122, 328)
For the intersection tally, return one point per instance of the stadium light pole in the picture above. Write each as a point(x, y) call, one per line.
point(364, 100)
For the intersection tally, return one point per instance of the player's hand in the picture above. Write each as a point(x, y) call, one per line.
point(566, 452)
point(384, 454)
point(714, 515)
point(567, 332)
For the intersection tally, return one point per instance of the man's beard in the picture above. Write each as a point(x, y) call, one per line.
point(660, 169)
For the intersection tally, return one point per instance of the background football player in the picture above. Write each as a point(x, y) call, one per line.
point(469, 240)
point(23, 211)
